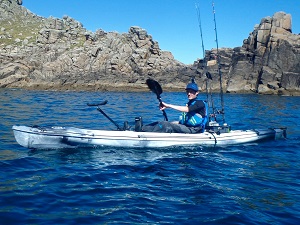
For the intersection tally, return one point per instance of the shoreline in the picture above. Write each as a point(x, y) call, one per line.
point(124, 88)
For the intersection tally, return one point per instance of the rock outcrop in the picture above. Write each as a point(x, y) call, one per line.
point(52, 53)
point(57, 53)
point(268, 61)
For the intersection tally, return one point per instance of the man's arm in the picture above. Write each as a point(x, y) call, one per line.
point(176, 107)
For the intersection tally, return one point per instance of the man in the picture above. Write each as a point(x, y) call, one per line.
point(193, 119)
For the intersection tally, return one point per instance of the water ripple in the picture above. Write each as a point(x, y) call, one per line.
point(248, 184)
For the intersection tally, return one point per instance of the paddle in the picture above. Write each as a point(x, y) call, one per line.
point(155, 87)
point(103, 113)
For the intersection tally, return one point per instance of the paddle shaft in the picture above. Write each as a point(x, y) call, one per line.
point(164, 113)
point(104, 114)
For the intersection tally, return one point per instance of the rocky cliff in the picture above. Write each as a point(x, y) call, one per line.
point(268, 62)
point(52, 53)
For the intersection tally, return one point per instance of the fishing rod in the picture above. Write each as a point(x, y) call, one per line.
point(201, 34)
point(208, 75)
point(219, 63)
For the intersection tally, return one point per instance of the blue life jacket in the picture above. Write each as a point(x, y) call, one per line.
point(194, 119)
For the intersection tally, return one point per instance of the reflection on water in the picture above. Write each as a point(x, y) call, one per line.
point(8, 155)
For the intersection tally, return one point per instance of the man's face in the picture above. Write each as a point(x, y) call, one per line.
point(191, 94)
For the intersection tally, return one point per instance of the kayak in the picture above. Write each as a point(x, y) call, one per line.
point(69, 137)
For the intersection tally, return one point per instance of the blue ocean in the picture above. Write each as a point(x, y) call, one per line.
point(256, 183)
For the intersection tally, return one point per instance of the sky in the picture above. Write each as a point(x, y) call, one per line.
point(173, 24)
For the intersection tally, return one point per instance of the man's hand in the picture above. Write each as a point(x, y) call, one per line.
point(163, 106)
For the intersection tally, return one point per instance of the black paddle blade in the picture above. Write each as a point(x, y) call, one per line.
point(97, 104)
point(154, 86)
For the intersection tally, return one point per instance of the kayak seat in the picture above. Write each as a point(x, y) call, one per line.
point(138, 124)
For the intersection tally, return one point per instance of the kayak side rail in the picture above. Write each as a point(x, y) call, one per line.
point(97, 104)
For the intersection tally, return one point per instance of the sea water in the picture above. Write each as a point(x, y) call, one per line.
point(244, 184)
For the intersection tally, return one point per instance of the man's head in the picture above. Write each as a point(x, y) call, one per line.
point(192, 86)
point(192, 90)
